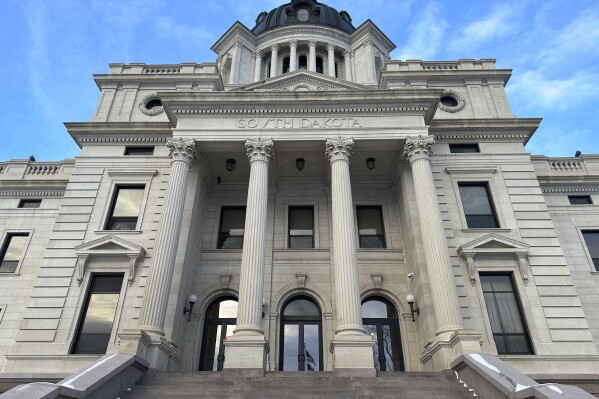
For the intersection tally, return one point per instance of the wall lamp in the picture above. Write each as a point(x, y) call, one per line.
point(231, 164)
point(300, 163)
point(411, 300)
point(192, 301)
point(370, 163)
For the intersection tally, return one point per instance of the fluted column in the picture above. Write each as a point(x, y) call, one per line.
point(352, 348)
point(347, 54)
point(246, 348)
point(274, 59)
point(312, 56)
point(444, 295)
point(293, 55)
point(258, 67)
point(331, 61)
point(156, 294)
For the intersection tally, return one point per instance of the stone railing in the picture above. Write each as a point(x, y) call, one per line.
point(162, 69)
point(24, 169)
point(584, 165)
point(44, 169)
point(430, 66)
point(441, 66)
point(565, 165)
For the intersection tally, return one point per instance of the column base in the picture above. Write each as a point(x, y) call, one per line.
point(352, 355)
point(158, 351)
point(447, 347)
point(246, 352)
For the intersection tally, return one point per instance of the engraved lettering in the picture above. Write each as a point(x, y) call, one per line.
point(252, 123)
point(301, 123)
point(240, 123)
point(337, 123)
point(306, 123)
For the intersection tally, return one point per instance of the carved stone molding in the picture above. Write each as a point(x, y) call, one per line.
point(330, 46)
point(150, 112)
point(257, 54)
point(292, 43)
point(417, 147)
point(339, 148)
point(259, 149)
point(377, 280)
point(368, 41)
point(312, 43)
point(225, 280)
point(181, 150)
point(457, 96)
point(348, 53)
point(274, 47)
point(301, 280)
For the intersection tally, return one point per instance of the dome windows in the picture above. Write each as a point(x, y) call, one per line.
point(303, 15)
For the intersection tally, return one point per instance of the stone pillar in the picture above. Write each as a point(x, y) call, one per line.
point(347, 54)
point(247, 348)
point(274, 59)
point(156, 294)
point(331, 61)
point(258, 67)
point(312, 55)
point(293, 55)
point(352, 348)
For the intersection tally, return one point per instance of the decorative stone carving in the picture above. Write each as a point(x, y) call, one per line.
point(225, 280)
point(301, 280)
point(377, 280)
point(292, 43)
point(457, 96)
point(274, 47)
point(258, 149)
point(312, 43)
point(348, 53)
point(368, 41)
point(418, 147)
point(257, 54)
point(330, 47)
point(154, 110)
point(339, 148)
point(182, 150)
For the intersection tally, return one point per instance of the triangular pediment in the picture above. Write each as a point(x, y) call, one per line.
point(493, 244)
point(302, 80)
point(109, 245)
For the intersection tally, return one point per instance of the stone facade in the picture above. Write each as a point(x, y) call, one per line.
point(370, 132)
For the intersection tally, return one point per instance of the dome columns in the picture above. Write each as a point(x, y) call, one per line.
point(312, 55)
point(331, 54)
point(292, 55)
point(274, 60)
point(258, 65)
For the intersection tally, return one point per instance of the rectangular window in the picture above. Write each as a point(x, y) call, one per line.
point(478, 208)
point(505, 315)
point(370, 227)
point(30, 203)
point(580, 199)
point(12, 251)
point(96, 323)
point(591, 238)
point(463, 148)
point(139, 150)
point(301, 227)
point(125, 208)
point(232, 225)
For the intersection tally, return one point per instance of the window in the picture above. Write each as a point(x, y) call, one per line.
point(463, 148)
point(12, 251)
point(285, 64)
point(478, 208)
point(96, 323)
point(301, 227)
point(125, 208)
point(268, 70)
point(505, 314)
point(319, 64)
point(580, 199)
point(303, 62)
point(139, 150)
point(30, 203)
point(591, 238)
point(232, 224)
point(370, 227)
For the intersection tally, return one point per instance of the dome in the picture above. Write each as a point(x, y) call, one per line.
point(299, 12)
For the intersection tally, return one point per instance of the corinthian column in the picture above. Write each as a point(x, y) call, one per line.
point(156, 294)
point(312, 56)
point(352, 349)
point(258, 68)
point(274, 60)
point(331, 60)
point(293, 55)
point(347, 61)
point(246, 348)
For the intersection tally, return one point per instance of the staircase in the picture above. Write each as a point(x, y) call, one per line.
point(290, 385)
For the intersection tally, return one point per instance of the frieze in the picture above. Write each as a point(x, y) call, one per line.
point(299, 123)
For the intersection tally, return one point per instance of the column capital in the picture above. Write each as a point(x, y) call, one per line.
point(182, 150)
point(274, 47)
point(293, 43)
point(259, 149)
point(339, 148)
point(330, 46)
point(348, 53)
point(257, 54)
point(417, 147)
point(312, 43)
point(368, 41)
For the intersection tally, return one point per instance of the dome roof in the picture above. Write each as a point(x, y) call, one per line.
point(298, 12)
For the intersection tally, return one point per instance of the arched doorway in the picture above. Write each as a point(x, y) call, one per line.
point(380, 321)
point(220, 321)
point(301, 335)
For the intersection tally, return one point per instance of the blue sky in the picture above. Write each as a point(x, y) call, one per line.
point(51, 49)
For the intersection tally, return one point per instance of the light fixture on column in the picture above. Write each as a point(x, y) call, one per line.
point(411, 300)
point(192, 301)
point(231, 164)
point(300, 163)
point(370, 163)
point(263, 306)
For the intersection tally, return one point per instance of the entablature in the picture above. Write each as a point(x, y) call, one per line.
point(468, 130)
point(99, 133)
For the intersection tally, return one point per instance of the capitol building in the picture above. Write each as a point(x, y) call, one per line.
point(303, 203)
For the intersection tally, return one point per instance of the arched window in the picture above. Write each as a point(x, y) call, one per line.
point(219, 323)
point(319, 64)
point(336, 69)
point(303, 62)
point(301, 335)
point(268, 70)
point(380, 321)
point(285, 64)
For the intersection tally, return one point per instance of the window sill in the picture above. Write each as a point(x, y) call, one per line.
point(15, 274)
point(595, 272)
point(118, 231)
point(490, 230)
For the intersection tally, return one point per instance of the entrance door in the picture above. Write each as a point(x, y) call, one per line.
point(220, 321)
point(380, 321)
point(301, 336)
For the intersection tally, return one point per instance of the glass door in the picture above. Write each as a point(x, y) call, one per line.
point(381, 323)
point(301, 330)
point(221, 319)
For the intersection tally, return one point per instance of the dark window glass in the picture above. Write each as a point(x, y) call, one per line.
point(505, 314)
point(268, 70)
point(155, 103)
point(477, 205)
point(303, 62)
point(370, 227)
point(449, 101)
point(98, 315)
point(301, 227)
point(285, 64)
point(30, 203)
point(591, 238)
point(12, 251)
point(232, 224)
point(580, 199)
point(125, 208)
point(336, 70)
point(463, 148)
point(319, 64)
point(139, 150)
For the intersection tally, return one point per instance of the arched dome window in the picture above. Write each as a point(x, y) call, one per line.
point(285, 64)
point(303, 62)
point(319, 64)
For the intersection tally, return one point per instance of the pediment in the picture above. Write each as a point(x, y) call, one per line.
point(493, 244)
point(109, 245)
point(302, 80)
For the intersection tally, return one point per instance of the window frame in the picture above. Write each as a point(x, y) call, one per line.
point(589, 255)
point(288, 227)
point(384, 226)
point(586, 196)
point(4, 247)
point(113, 201)
point(221, 208)
point(138, 147)
point(453, 146)
point(37, 201)
point(490, 201)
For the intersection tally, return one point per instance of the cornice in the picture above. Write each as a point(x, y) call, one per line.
point(369, 28)
point(119, 132)
point(237, 29)
point(211, 79)
point(388, 77)
point(499, 129)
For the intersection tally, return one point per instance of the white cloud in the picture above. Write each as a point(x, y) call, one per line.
point(166, 27)
point(580, 37)
point(426, 36)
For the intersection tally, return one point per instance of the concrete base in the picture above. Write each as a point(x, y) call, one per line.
point(352, 354)
point(155, 349)
point(439, 354)
point(246, 352)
